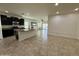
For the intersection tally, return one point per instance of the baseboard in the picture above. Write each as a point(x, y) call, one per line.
point(63, 35)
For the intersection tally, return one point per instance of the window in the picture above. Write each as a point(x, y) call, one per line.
point(26, 25)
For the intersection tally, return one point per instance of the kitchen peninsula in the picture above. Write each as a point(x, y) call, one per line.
point(23, 34)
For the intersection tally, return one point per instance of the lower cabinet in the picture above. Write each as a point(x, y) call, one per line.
point(7, 32)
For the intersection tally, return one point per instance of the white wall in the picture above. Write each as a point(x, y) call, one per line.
point(64, 25)
point(32, 20)
point(1, 36)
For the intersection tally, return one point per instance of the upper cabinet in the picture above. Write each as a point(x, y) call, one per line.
point(10, 20)
point(21, 21)
point(4, 20)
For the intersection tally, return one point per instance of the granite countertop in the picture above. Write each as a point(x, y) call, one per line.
point(24, 30)
point(20, 28)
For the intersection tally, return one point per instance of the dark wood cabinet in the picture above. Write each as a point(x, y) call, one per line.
point(21, 21)
point(4, 20)
point(9, 21)
point(7, 32)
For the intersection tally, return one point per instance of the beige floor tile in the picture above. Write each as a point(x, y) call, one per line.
point(40, 45)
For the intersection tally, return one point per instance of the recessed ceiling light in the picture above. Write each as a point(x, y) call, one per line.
point(57, 12)
point(56, 4)
point(6, 11)
point(76, 9)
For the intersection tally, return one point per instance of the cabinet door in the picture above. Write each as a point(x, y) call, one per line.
point(9, 21)
point(3, 19)
point(7, 32)
point(21, 21)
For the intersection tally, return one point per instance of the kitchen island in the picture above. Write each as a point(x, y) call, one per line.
point(22, 34)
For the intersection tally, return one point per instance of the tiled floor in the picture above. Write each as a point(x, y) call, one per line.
point(40, 45)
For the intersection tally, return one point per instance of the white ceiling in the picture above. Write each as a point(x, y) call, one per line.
point(63, 8)
point(38, 10)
